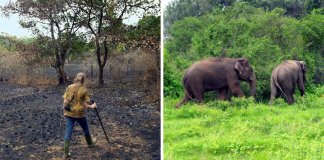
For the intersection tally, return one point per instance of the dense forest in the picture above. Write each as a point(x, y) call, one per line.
point(266, 33)
point(179, 9)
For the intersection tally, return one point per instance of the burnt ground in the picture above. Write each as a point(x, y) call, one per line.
point(32, 123)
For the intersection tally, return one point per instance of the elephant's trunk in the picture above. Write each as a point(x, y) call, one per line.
point(253, 85)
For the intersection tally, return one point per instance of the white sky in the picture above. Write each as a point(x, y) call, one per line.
point(11, 24)
point(165, 3)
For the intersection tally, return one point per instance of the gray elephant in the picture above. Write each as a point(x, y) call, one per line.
point(217, 74)
point(285, 77)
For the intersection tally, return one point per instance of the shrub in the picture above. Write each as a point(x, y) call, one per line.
point(222, 105)
point(242, 102)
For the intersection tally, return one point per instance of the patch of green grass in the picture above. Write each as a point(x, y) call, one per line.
point(244, 129)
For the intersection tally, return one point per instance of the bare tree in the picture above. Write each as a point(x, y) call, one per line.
point(102, 17)
point(56, 19)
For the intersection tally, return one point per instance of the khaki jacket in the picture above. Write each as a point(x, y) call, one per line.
point(81, 95)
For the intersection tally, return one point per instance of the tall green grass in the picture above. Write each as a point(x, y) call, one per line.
point(243, 129)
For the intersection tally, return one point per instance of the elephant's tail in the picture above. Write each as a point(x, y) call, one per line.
point(184, 81)
point(275, 80)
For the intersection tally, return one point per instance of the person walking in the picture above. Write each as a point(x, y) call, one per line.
point(76, 101)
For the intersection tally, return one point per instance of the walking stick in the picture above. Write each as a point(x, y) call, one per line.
point(92, 101)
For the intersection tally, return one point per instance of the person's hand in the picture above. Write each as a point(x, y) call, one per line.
point(94, 105)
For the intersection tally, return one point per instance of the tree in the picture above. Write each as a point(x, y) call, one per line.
point(59, 18)
point(102, 17)
point(181, 34)
point(180, 9)
point(146, 35)
point(8, 41)
point(313, 33)
point(34, 53)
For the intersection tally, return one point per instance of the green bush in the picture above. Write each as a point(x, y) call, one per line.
point(242, 102)
point(222, 105)
point(234, 103)
point(172, 80)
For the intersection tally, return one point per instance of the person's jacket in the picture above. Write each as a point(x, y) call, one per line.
point(81, 95)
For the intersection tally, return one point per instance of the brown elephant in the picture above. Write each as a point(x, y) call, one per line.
point(284, 78)
point(217, 74)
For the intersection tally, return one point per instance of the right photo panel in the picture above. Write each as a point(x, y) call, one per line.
point(243, 79)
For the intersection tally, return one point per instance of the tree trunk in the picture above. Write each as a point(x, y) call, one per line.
point(91, 70)
point(101, 81)
point(60, 57)
point(102, 63)
point(59, 66)
point(61, 75)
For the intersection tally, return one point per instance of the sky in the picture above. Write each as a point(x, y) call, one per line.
point(166, 2)
point(11, 24)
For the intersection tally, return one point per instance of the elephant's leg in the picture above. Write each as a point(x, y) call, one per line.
point(184, 101)
point(236, 89)
point(288, 93)
point(223, 93)
point(188, 96)
point(273, 88)
point(290, 99)
point(288, 89)
point(200, 98)
point(301, 85)
point(273, 95)
point(198, 92)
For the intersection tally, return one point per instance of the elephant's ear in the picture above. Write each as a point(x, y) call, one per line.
point(302, 65)
point(239, 65)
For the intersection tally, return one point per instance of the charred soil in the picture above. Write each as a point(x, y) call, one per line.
point(32, 123)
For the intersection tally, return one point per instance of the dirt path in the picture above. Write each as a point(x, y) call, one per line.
point(32, 124)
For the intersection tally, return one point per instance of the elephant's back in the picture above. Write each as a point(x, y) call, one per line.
point(211, 62)
point(205, 66)
point(208, 70)
point(288, 66)
point(286, 71)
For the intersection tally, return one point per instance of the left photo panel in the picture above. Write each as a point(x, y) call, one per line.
point(80, 79)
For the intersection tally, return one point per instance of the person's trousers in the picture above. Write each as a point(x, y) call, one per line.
point(70, 125)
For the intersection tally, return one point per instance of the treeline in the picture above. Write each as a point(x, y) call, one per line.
point(179, 9)
point(67, 28)
point(265, 37)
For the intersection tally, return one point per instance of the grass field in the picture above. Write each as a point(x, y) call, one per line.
point(243, 129)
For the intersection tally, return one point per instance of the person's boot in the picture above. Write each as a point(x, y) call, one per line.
point(90, 141)
point(67, 154)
